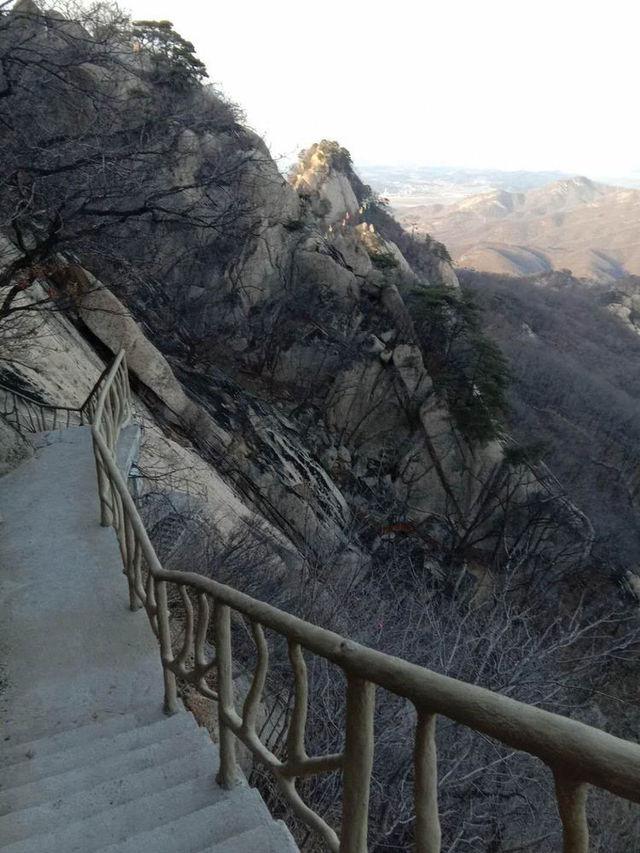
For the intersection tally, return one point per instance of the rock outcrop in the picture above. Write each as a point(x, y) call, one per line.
point(272, 326)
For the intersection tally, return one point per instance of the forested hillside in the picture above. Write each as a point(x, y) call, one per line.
point(575, 396)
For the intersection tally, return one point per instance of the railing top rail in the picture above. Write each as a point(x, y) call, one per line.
point(96, 385)
point(34, 402)
point(24, 395)
point(579, 750)
point(104, 391)
point(573, 748)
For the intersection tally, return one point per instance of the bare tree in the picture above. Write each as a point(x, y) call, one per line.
point(548, 649)
point(94, 150)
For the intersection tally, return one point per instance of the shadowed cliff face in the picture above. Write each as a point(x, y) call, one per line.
point(573, 351)
point(326, 358)
point(305, 345)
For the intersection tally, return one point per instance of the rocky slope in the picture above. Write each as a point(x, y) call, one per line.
point(574, 353)
point(320, 408)
point(574, 224)
point(322, 361)
point(623, 301)
point(320, 402)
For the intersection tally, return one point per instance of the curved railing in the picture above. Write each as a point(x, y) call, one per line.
point(112, 411)
point(29, 415)
point(578, 755)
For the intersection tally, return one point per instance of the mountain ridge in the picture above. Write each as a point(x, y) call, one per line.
point(574, 223)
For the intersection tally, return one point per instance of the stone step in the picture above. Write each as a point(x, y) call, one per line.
point(201, 763)
point(39, 767)
point(273, 838)
point(114, 767)
point(52, 721)
point(13, 752)
point(88, 763)
point(242, 810)
point(119, 823)
point(97, 689)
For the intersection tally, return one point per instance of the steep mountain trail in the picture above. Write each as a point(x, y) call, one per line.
point(324, 418)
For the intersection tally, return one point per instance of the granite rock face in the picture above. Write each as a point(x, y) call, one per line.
point(269, 324)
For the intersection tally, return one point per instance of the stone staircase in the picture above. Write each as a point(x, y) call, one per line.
point(127, 783)
point(88, 761)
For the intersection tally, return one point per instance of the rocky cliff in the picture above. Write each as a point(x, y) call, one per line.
point(320, 358)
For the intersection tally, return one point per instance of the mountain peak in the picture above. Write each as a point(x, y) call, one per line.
point(572, 223)
point(326, 175)
point(568, 191)
point(576, 182)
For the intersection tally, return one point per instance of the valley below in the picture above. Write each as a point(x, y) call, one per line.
point(521, 223)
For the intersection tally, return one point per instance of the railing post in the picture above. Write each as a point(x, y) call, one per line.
point(106, 518)
point(228, 774)
point(130, 562)
point(572, 799)
point(358, 761)
point(425, 763)
point(166, 650)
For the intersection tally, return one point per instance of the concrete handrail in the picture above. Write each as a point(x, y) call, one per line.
point(577, 754)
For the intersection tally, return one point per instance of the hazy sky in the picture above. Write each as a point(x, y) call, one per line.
point(510, 84)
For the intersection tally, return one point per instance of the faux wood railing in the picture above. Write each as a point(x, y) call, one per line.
point(29, 415)
point(578, 755)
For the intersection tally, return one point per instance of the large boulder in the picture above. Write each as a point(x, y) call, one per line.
point(316, 267)
point(114, 325)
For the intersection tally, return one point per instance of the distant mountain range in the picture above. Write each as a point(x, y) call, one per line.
point(573, 223)
point(418, 185)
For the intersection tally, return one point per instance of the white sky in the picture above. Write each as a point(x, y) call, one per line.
point(508, 84)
